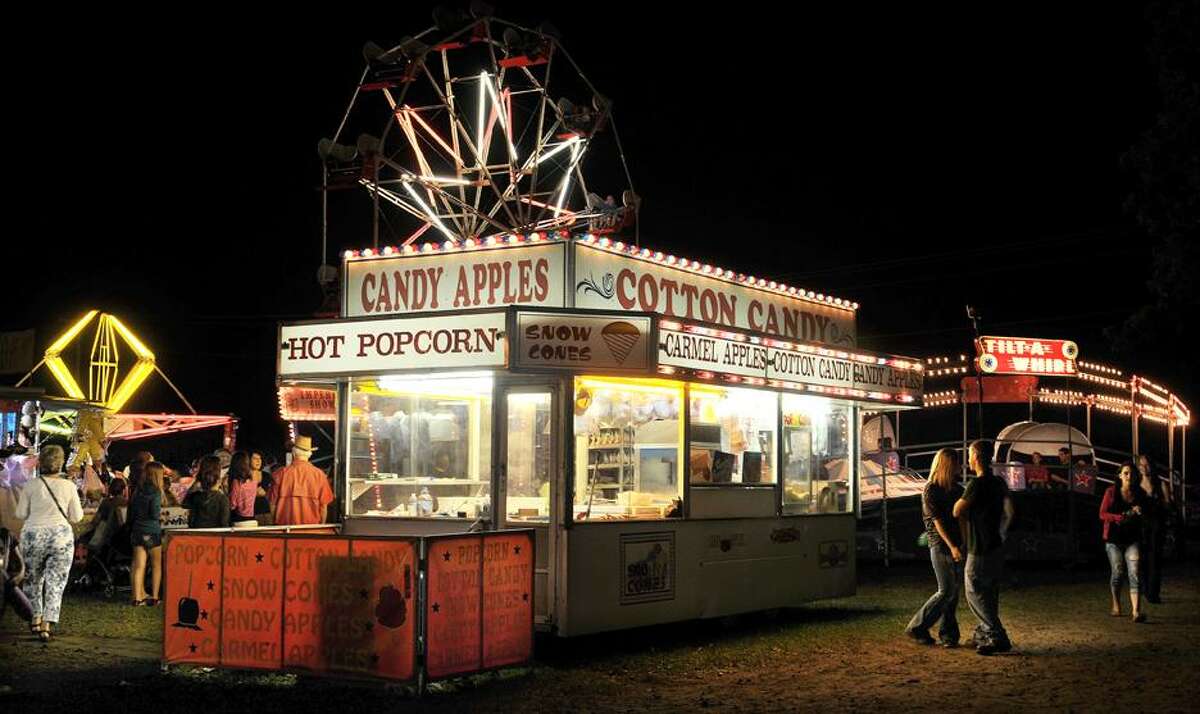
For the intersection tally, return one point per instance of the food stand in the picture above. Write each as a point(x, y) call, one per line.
point(668, 429)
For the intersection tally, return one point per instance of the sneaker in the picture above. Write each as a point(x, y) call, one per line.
point(986, 650)
point(1004, 646)
point(921, 637)
point(949, 644)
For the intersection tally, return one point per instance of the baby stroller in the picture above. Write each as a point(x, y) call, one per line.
point(104, 556)
point(12, 573)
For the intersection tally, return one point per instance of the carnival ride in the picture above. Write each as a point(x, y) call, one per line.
point(117, 365)
point(1040, 415)
point(478, 128)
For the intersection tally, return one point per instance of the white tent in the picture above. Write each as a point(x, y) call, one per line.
point(1047, 439)
point(1007, 436)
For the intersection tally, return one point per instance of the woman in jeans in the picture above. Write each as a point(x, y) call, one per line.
point(49, 505)
point(1121, 513)
point(145, 507)
point(945, 541)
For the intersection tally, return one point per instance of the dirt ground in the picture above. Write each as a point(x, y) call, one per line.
point(843, 655)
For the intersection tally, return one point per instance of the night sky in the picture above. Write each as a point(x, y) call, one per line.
point(911, 160)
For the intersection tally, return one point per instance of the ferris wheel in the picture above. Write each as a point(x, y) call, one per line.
point(477, 128)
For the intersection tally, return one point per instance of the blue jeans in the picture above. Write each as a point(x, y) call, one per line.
point(1123, 561)
point(983, 576)
point(943, 604)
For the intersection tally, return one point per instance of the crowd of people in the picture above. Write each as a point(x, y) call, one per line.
point(966, 527)
point(220, 490)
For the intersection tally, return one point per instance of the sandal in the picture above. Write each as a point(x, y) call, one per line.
point(151, 602)
point(44, 632)
point(1140, 617)
point(137, 603)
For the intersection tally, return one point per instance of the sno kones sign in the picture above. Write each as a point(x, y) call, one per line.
point(578, 275)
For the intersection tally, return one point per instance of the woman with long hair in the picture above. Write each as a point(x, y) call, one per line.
point(945, 544)
point(48, 504)
point(262, 484)
point(1121, 512)
point(145, 507)
point(208, 506)
point(1157, 514)
point(242, 489)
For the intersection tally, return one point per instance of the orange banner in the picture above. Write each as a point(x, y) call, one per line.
point(452, 608)
point(252, 604)
point(307, 612)
point(348, 606)
point(192, 600)
point(392, 598)
point(507, 599)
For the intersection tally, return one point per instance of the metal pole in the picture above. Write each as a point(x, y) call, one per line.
point(963, 460)
point(887, 545)
point(1072, 534)
point(1088, 403)
point(1183, 473)
point(1133, 412)
point(175, 389)
point(974, 316)
point(1171, 450)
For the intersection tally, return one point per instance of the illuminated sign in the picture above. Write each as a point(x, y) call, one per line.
point(756, 360)
point(583, 341)
point(609, 281)
point(531, 274)
point(307, 404)
point(1026, 355)
point(346, 347)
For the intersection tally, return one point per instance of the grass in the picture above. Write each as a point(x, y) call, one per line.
point(647, 657)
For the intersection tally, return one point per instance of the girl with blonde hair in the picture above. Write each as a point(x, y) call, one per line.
point(945, 543)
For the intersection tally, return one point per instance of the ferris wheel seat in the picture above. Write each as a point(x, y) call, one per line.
point(522, 61)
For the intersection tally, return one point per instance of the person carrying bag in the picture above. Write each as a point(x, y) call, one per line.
point(47, 540)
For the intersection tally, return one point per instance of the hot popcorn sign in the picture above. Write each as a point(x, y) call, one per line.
point(1026, 355)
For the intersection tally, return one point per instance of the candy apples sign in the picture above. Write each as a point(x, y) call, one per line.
point(1026, 355)
point(470, 279)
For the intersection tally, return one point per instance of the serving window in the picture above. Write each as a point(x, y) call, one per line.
point(420, 446)
point(628, 437)
point(816, 448)
point(733, 435)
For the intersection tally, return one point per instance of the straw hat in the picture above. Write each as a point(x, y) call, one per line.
point(304, 443)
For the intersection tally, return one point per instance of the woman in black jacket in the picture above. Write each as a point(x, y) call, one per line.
point(208, 507)
point(1154, 530)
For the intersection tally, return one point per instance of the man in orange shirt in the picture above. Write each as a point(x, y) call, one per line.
point(300, 494)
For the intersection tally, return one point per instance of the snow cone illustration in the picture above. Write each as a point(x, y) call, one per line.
point(620, 338)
